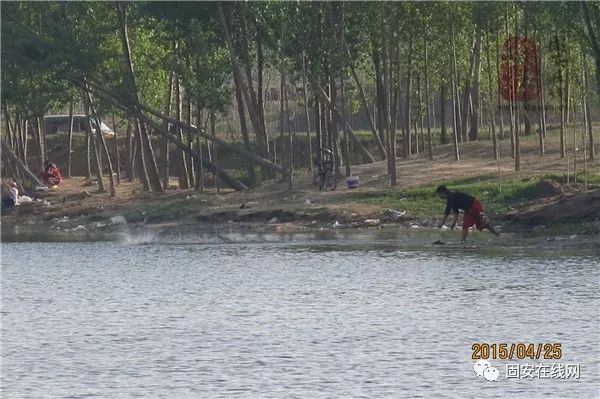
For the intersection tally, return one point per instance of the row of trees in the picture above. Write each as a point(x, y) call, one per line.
point(169, 69)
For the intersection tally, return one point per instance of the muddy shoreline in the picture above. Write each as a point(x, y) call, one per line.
point(246, 226)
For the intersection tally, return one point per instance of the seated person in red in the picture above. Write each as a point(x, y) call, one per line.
point(51, 174)
point(470, 205)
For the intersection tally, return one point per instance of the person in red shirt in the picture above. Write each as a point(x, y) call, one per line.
point(51, 174)
point(473, 209)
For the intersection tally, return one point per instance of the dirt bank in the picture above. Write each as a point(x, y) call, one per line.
point(536, 199)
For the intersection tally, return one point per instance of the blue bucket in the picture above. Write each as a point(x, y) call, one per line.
point(352, 182)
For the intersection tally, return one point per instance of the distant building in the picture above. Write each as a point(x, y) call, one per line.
point(60, 124)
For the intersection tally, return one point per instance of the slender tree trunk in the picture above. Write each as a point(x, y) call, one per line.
point(9, 131)
point(260, 95)
point(281, 150)
point(474, 89)
point(23, 134)
point(455, 110)
point(165, 142)
point(26, 135)
point(455, 92)
point(244, 129)
point(199, 185)
point(491, 96)
point(181, 161)
point(88, 152)
point(498, 96)
point(380, 94)
point(541, 101)
point(427, 97)
point(592, 38)
point(588, 116)
point(129, 143)
point(388, 96)
point(290, 157)
point(420, 141)
point(90, 131)
point(318, 127)
point(139, 154)
point(363, 99)
point(214, 150)
point(346, 148)
point(407, 104)
point(147, 152)
point(70, 139)
point(335, 118)
point(306, 113)
point(561, 95)
point(117, 157)
point(443, 133)
point(511, 97)
point(111, 175)
point(41, 136)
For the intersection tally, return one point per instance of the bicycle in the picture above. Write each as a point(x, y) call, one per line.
point(324, 174)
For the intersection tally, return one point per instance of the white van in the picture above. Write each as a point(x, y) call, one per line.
point(60, 124)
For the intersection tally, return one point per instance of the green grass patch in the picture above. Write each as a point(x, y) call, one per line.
point(497, 196)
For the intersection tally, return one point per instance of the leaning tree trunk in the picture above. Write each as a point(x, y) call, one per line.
point(145, 145)
point(363, 99)
point(111, 174)
point(126, 106)
point(19, 164)
point(88, 125)
point(249, 99)
point(328, 102)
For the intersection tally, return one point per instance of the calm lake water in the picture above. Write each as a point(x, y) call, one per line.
point(298, 319)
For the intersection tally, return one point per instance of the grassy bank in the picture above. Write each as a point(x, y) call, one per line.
point(498, 196)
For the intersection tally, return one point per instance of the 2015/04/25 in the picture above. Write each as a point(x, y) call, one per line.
point(519, 351)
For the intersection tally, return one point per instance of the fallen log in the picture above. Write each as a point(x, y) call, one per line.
point(19, 164)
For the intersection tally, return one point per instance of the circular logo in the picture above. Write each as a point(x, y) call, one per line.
point(519, 69)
